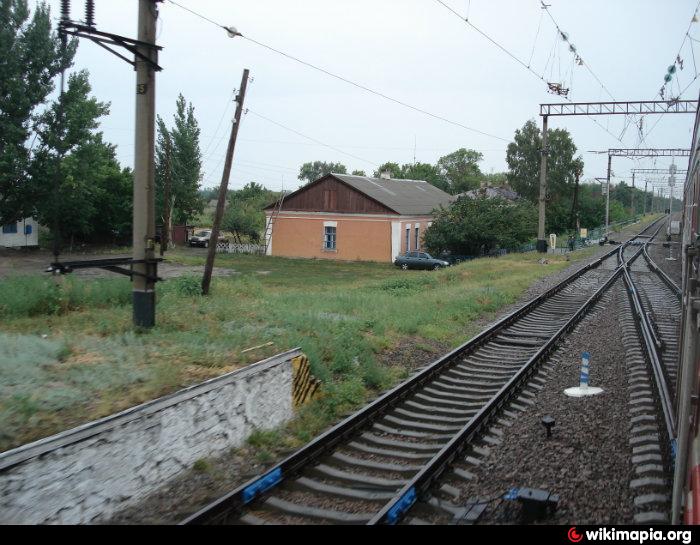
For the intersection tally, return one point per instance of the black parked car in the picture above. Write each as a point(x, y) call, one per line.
point(419, 260)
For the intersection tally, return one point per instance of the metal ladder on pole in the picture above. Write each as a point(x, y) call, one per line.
point(271, 222)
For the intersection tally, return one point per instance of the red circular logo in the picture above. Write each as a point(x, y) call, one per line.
point(573, 535)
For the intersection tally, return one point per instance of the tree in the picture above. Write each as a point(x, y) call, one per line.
point(313, 171)
point(475, 226)
point(427, 172)
point(394, 170)
point(417, 171)
point(185, 163)
point(244, 215)
point(358, 173)
point(30, 57)
point(523, 159)
point(461, 170)
point(62, 169)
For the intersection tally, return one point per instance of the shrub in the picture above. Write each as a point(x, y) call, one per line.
point(189, 285)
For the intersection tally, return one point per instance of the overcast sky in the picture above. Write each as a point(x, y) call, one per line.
point(415, 51)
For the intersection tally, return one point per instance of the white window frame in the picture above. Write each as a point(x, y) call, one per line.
point(334, 225)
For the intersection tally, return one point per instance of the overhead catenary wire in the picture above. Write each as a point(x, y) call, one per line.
point(310, 138)
point(515, 58)
point(341, 78)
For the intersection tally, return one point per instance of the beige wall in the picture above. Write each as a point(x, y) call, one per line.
point(410, 227)
point(358, 238)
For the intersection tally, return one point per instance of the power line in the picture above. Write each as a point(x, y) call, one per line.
point(515, 58)
point(218, 126)
point(490, 39)
point(233, 32)
point(546, 7)
point(310, 138)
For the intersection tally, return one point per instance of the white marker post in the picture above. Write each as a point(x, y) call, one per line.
point(583, 389)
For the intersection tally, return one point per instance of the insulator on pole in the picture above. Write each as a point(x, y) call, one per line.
point(90, 13)
point(65, 10)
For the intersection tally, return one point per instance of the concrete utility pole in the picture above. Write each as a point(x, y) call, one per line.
point(646, 183)
point(223, 188)
point(541, 240)
point(634, 213)
point(144, 266)
point(607, 199)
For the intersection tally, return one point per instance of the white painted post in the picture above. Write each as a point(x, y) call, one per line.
point(585, 365)
point(583, 389)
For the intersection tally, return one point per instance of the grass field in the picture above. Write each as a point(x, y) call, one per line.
point(68, 353)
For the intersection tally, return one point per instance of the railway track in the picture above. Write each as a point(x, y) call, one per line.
point(656, 304)
point(372, 467)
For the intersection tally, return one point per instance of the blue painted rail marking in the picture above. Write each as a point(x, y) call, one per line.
point(401, 506)
point(263, 483)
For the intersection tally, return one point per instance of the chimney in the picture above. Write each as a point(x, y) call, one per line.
point(385, 174)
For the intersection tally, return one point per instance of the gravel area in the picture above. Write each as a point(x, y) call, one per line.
point(587, 459)
point(659, 254)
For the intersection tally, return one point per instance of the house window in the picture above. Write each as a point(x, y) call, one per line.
point(27, 229)
point(417, 238)
point(9, 229)
point(329, 238)
point(408, 239)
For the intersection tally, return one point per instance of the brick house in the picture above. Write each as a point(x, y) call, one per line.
point(353, 218)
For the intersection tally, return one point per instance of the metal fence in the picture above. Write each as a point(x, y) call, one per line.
point(232, 248)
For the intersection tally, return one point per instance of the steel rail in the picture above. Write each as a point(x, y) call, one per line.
point(395, 509)
point(246, 493)
point(421, 482)
point(660, 373)
point(666, 278)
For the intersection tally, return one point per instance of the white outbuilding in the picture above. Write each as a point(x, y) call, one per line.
point(23, 233)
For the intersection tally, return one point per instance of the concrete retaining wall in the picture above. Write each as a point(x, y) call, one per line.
point(90, 472)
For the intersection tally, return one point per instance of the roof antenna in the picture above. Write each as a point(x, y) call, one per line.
point(414, 150)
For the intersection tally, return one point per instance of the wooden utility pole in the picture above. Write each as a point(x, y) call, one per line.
point(144, 264)
point(167, 208)
point(223, 189)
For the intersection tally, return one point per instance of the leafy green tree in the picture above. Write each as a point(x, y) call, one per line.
point(244, 215)
point(461, 169)
point(417, 171)
point(185, 163)
point(475, 226)
point(358, 173)
point(30, 57)
point(62, 167)
point(95, 163)
point(523, 159)
point(310, 172)
point(394, 170)
point(426, 172)
point(496, 178)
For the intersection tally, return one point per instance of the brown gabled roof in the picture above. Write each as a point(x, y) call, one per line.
point(405, 197)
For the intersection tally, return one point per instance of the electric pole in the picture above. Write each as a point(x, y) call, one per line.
point(541, 240)
point(634, 212)
point(223, 188)
point(607, 200)
point(144, 264)
point(646, 183)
